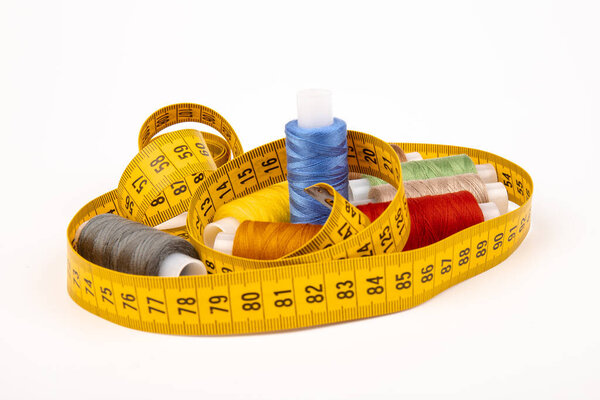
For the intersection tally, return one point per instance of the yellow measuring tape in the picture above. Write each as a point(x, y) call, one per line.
point(351, 269)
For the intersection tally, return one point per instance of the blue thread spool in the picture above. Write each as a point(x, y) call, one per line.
point(317, 151)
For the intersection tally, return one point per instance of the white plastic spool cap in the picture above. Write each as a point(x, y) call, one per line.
point(489, 210)
point(314, 108)
point(224, 242)
point(512, 206)
point(179, 264)
point(358, 191)
point(487, 172)
point(497, 194)
point(414, 156)
point(226, 225)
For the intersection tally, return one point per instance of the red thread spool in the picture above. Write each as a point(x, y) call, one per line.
point(433, 218)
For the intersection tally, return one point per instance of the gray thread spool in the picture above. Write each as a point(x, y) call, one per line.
point(127, 246)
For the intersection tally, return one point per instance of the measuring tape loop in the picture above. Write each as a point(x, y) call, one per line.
point(177, 162)
point(353, 268)
point(188, 112)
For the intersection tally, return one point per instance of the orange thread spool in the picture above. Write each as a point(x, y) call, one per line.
point(271, 240)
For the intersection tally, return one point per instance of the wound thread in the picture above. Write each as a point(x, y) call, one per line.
point(354, 175)
point(271, 240)
point(399, 152)
point(432, 168)
point(384, 193)
point(127, 246)
point(433, 218)
point(437, 167)
point(271, 204)
point(434, 186)
point(374, 181)
point(315, 155)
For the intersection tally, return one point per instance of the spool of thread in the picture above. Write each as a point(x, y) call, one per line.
point(447, 166)
point(265, 240)
point(317, 151)
point(271, 204)
point(433, 218)
point(127, 246)
point(425, 169)
point(483, 192)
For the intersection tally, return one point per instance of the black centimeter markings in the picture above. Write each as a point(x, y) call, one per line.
point(167, 308)
point(145, 152)
point(214, 178)
point(90, 290)
point(181, 173)
point(230, 184)
point(76, 273)
point(371, 156)
point(284, 173)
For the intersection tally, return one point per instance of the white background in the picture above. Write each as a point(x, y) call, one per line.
point(518, 78)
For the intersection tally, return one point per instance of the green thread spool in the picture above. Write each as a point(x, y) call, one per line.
point(374, 181)
point(438, 167)
point(432, 168)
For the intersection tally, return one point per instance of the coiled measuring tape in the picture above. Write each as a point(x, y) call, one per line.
point(351, 269)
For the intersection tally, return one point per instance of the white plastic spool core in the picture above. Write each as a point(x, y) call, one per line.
point(179, 264)
point(314, 108)
point(212, 230)
point(487, 172)
point(414, 156)
point(224, 242)
point(489, 210)
point(498, 195)
point(358, 191)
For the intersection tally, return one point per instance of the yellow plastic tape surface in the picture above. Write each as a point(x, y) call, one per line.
point(351, 269)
